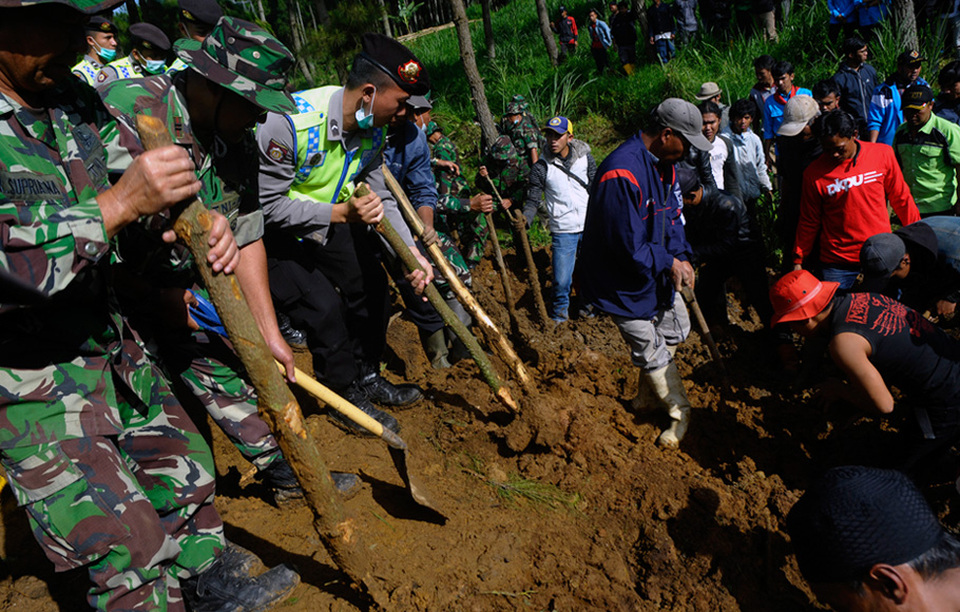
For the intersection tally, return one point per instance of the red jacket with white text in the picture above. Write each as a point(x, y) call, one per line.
point(846, 203)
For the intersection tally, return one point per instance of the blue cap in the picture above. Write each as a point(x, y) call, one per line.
point(560, 125)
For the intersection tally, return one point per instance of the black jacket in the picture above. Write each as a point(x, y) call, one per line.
point(718, 227)
point(856, 88)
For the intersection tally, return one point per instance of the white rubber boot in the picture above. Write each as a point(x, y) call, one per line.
point(668, 388)
point(646, 400)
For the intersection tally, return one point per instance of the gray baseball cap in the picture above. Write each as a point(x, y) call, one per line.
point(797, 114)
point(683, 117)
point(880, 256)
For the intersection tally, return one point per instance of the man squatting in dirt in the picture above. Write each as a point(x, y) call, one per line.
point(877, 341)
point(323, 254)
point(866, 539)
point(213, 108)
point(111, 471)
point(634, 256)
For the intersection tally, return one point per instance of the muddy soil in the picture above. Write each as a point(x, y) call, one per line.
point(571, 505)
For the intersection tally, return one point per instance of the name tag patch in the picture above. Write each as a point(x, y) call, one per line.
point(30, 187)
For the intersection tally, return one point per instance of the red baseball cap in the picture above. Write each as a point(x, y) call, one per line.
point(799, 295)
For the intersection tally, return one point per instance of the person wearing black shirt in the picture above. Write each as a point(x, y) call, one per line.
point(623, 25)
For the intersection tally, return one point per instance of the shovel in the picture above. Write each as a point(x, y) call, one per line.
point(395, 444)
point(691, 299)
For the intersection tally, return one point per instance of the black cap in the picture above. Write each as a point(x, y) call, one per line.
point(855, 517)
point(101, 24)
point(397, 61)
point(916, 96)
point(149, 36)
point(910, 57)
point(206, 12)
point(563, 9)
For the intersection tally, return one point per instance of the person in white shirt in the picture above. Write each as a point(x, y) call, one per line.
point(747, 153)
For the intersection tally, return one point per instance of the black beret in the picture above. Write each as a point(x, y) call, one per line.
point(207, 12)
point(397, 61)
point(855, 517)
point(149, 36)
point(101, 24)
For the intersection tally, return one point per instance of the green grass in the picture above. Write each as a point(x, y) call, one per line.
point(515, 488)
point(605, 109)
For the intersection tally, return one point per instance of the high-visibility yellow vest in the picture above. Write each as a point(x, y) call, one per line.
point(87, 70)
point(325, 170)
point(126, 69)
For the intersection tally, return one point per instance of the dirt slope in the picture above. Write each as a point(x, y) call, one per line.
point(569, 507)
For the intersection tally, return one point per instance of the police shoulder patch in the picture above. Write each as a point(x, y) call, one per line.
point(277, 151)
point(101, 77)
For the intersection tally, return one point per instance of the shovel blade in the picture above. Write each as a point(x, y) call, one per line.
point(418, 493)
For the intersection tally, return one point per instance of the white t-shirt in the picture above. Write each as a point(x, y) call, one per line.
point(718, 156)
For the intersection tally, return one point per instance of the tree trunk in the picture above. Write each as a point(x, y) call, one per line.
point(546, 32)
point(488, 30)
point(262, 13)
point(133, 11)
point(906, 19)
point(322, 13)
point(296, 33)
point(477, 93)
point(385, 16)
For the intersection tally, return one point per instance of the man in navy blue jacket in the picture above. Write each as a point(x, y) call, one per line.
point(634, 255)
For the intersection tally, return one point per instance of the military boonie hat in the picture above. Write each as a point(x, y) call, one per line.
point(149, 36)
point(397, 61)
point(87, 7)
point(431, 128)
point(516, 106)
point(245, 59)
point(206, 12)
point(101, 24)
point(917, 96)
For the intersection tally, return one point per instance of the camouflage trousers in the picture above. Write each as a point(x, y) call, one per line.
point(471, 230)
point(138, 512)
point(456, 260)
point(208, 366)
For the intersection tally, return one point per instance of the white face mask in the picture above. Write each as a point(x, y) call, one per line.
point(365, 118)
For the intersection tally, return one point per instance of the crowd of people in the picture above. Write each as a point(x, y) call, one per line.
point(102, 308)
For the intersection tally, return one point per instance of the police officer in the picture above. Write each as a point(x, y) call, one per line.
point(102, 47)
point(148, 56)
point(197, 18)
point(323, 256)
point(113, 474)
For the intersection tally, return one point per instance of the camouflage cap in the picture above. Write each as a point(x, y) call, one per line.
point(87, 7)
point(244, 58)
point(431, 128)
point(516, 106)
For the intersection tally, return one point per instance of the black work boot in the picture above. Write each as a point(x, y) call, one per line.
point(355, 395)
point(279, 475)
point(291, 334)
point(227, 586)
point(378, 389)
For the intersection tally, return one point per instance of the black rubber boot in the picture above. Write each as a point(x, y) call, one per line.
point(279, 475)
point(227, 586)
point(378, 389)
point(358, 398)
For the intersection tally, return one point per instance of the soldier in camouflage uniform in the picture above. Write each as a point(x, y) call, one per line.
point(224, 150)
point(457, 211)
point(523, 129)
point(112, 473)
point(507, 169)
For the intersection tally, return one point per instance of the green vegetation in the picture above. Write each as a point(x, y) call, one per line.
point(605, 109)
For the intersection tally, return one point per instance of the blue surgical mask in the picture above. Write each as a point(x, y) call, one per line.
point(364, 118)
point(155, 66)
point(108, 55)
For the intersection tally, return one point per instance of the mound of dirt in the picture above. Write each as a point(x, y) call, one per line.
point(569, 505)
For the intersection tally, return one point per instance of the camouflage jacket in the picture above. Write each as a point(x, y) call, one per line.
point(229, 179)
point(525, 135)
point(452, 189)
point(62, 357)
point(508, 170)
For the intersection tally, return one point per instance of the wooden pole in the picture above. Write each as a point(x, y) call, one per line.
point(495, 338)
point(275, 402)
point(502, 268)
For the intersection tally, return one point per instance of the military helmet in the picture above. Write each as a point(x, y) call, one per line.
point(244, 58)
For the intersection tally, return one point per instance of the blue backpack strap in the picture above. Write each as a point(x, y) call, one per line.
point(313, 156)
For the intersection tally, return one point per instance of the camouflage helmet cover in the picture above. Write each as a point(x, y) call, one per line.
point(245, 59)
point(87, 7)
point(516, 106)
